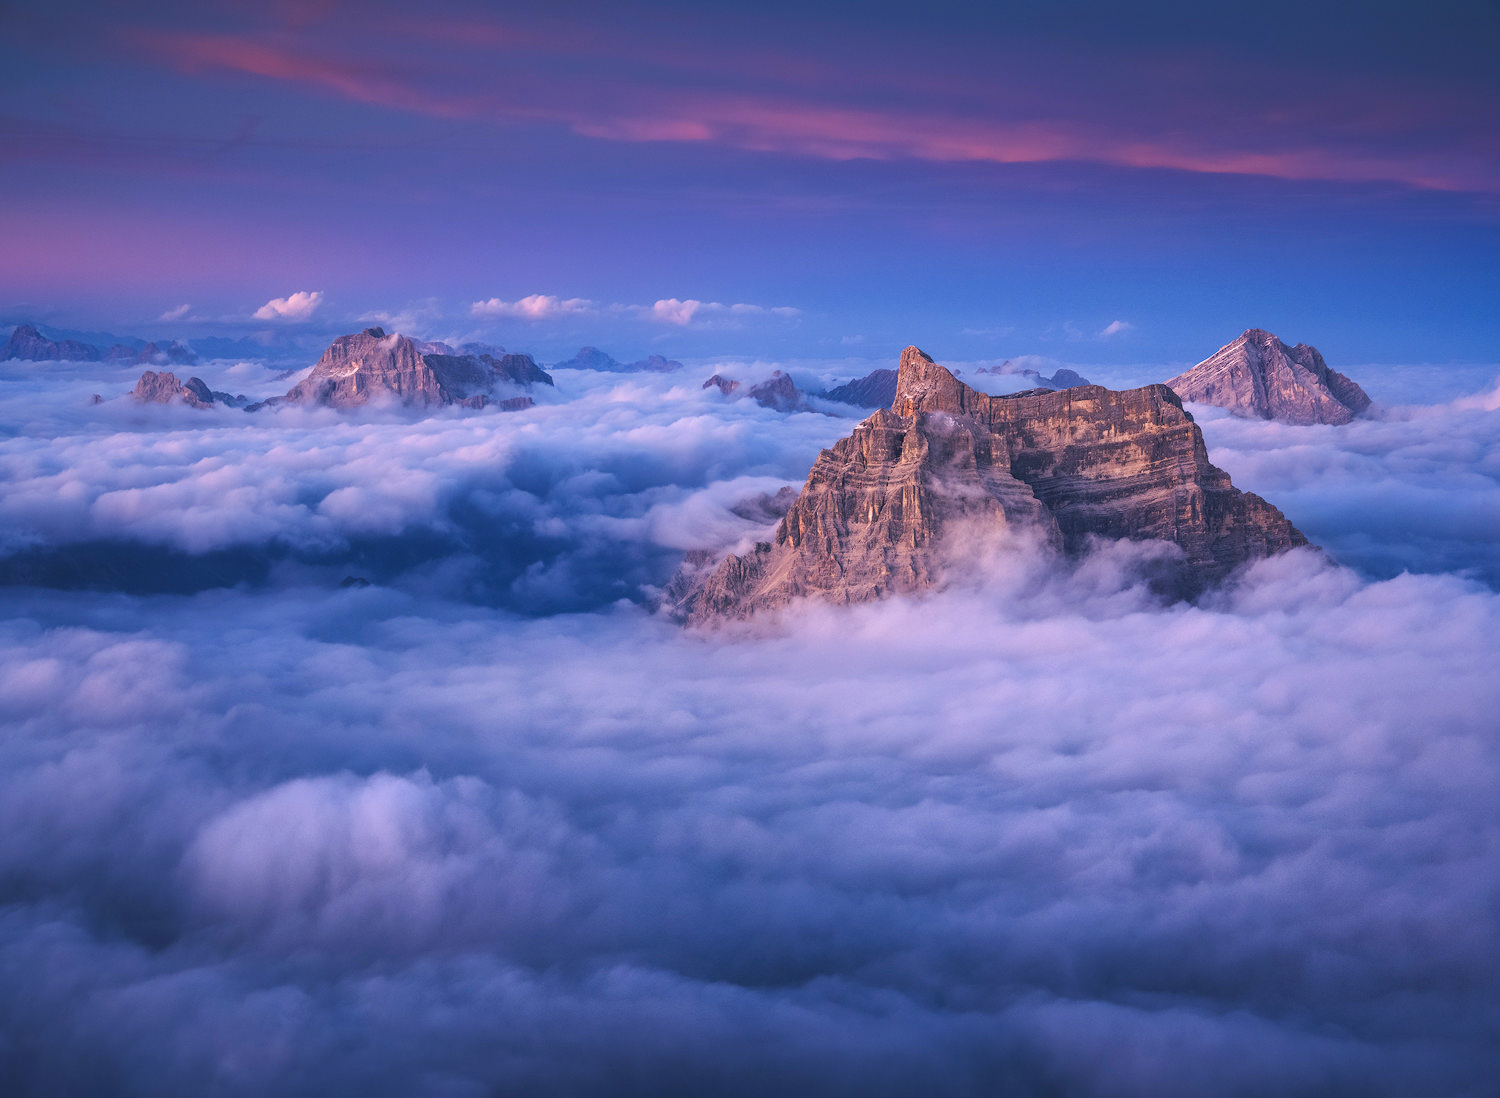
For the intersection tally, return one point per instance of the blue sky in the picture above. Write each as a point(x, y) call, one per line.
point(1013, 181)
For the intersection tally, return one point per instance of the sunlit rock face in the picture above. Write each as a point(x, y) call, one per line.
point(369, 365)
point(882, 508)
point(1260, 377)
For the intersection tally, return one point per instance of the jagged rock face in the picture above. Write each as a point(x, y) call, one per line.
point(370, 364)
point(1065, 467)
point(163, 388)
point(1260, 377)
point(778, 392)
point(875, 390)
point(28, 344)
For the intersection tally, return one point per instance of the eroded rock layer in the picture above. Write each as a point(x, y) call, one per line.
point(883, 509)
point(371, 364)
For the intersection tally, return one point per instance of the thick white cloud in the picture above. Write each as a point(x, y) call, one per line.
point(671, 310)
point(298, 306)
point(1037, 834)
point(177, 313)
point(1115, 327)
point(1003, 834)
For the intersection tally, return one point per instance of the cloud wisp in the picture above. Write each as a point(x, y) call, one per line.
point(294, 307)
point(789, 110)
point(534, 307)
point(672, 311)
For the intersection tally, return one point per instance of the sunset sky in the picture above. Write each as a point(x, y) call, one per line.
point(763, 179)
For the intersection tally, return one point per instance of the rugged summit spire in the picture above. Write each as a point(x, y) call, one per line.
point(1064, 466)
point(1260, 377)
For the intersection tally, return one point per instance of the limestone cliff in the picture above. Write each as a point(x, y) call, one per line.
point(358, 368)
point(946, 459)
point(1260, 377)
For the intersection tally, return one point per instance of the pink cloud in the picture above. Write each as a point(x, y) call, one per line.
point(633, 109)
point(533, 307)
point(297, 306)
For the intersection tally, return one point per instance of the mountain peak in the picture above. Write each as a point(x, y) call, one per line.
point(882, 507)
point(1260, 377)
point(372, 364)
point(924, 386)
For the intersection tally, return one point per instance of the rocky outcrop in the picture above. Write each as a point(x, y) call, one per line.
point(875, 390)
point(163, 388)
point(591, 358)
point(28, 344)
point(1260, 377)
point(1060, 379)
point(884, 510)
point(778, 392)
point(372, 365)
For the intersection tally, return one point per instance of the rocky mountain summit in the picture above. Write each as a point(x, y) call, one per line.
point(163, 388)
point(948, 467)
point(1259, 377)
point(372, 365)
point(591, 358)
point(877, 389)
point(778, 392)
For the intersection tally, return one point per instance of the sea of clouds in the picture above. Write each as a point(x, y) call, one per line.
point(492, 825)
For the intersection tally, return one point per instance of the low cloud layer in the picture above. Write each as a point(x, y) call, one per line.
point(998, 839)
point(1039, 834)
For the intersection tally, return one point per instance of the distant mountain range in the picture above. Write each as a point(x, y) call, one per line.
point(28, 344)
point(591, 358)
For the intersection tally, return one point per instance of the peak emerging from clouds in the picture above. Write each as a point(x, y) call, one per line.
point(1258, 375)
point(950, 473)
point(372, 366)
